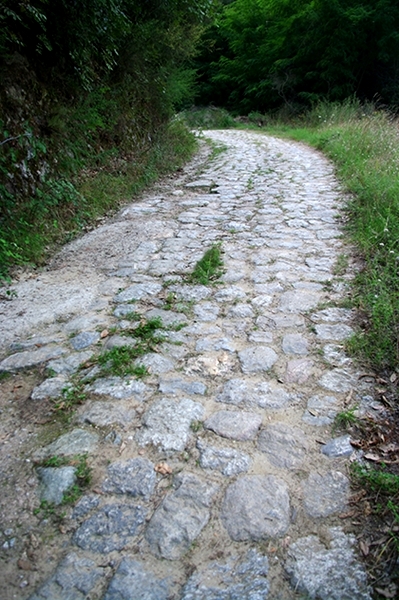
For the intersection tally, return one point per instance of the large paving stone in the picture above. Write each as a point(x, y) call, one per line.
point(236, 425)
point(206, 311)
point(190, 293)
point(84, 340)
point(338, 447)
point(102, 414)
point(156, 363)
point(77, 441)
point(256, 508)
point(75, 577)
point(321, 410)
point(31, 358)
point(134, 477)
point(285, 446)
point(168, 317)
point(50, 388)
point(294, 343)
point(55, 482)
point(298, 370)
point(327, 573)
point(175, 386)
point(133, 580)
point(119, 388)
point(230, 294)
point(236, 579)
point(228, 461)
point(167, 423)
point(265, 394)
point(69, 364)
point(111, 528)
point(181, 517)
point(325, 495)
point(299, 301)
point(336, 333)
point(138, 291)
point(338, 381)
point(257, 359)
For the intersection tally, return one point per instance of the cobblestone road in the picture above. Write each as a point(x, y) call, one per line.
point(217, 477)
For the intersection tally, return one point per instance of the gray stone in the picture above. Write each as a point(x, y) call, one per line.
point(55, 482)
point(132, 581)
point(257, 359)
point(86, 322)
point(293, 343)
point(75, 577)
point(260, 337)
point(325, 495)
point(298, 370)
point(327, 573)
point(134, 477)
point(181, 517)
point(139, 291)
point(118, 341)
point(333, 315)
point(156, 364)
point(279, 321)
point(236, 425)
point(229, 294)
point(338, 380)
point(285, 446)
point(273, 396)
point(256, 508)
point(206, 311)
point(207, 344)
point(50, 388)
point(226, 460)
point(77, 441)
point(85, 505)
point(30, 358)
point(168, 317)
point(124, 309)
point(337, 333)
point(336, 356)
point(119, 388)
point(321, 411)
point(175, 386)
point(239, 578)
point(240, 311)
point(299, 301)
point(102, 414)
point(84, 340)
point(337, 447)
point(190, 293)
point(167, 423)
point(111, 528)
point(236, 391)
point(69, 364)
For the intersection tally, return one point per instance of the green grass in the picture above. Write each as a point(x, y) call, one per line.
point(209, 268)
point(345, 419)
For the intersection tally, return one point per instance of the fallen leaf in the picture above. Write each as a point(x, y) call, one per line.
point(393, 378)
point(389, 592)
point(141, 452)
point(104, 333)
point(163, 468)
point(313, 412)
point(25, 565)
point(347, 515)
point(373, 457)
point(364, 547)
point(122, 447)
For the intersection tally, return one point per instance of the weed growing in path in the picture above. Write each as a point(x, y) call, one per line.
point(208, 269)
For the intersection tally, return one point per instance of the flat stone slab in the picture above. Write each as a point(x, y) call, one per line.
point(31, 358)
point(156, 363)
point(256, 508)
point(299, 301)
point(238, 578)
point(190, 293)
point(111, 528)
point(327, 573)
point(236, 425)
point(50, 388)
point(174, 386)
point(77, 441)
point(167, 423)
point(119, 388)
point(294, 343)
point(298, 370)
point(325, 495)
point(336, 333)
point(101, 413)
point(206, 311)
point(285, 446)
point(257, 359)
point(338, 447)
point(138, 291)
point(240, 311)
point(209, 344)
point(265, 395)
point(84, 340)
point(133, 477)
point(168, 317)
point(69, 364)
point(321, 410)
point(54, 482)
point(229, 294)
point(75, 577)
point(228, 461)
point(181, 517)
point(338, 381)
point(132, 577)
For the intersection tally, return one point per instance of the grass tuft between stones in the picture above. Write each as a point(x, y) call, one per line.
point(209, 268)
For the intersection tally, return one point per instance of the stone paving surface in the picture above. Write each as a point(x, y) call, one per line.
point(211, 482)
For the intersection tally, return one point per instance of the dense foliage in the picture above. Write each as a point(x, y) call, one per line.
point(260, 54)
point(83, 83)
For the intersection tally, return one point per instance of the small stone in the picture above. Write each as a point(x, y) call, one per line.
point(50, 388)
point(167, 423)
point(134, 477)
point(85, 505)
point(298, 370)
point(337, 447)
point(69, 364)
point(55, 482)
point(236, 391)
point(327, 573)
point(132, 577)
point(206, 311)
point(337, 333)
point(240, 311)
point(119, 388)
point(338, 381)
point(286, 446)
point(111, 528)
point(174, 386)
point(325, 495)
point(156, 363)
point(236, 425)
point(181, 517)
point(207, 344)
point(190, 293)
point(102, 414)
point(226, 460)
point(260, 337)
point(30, 358)
point(256, 508)
point(229, 294)
point(257, 359)
point(238, 578)
point(84, 340)
point(321, 411)
point(293, 343)
point(77, 441)
point(139, 291)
